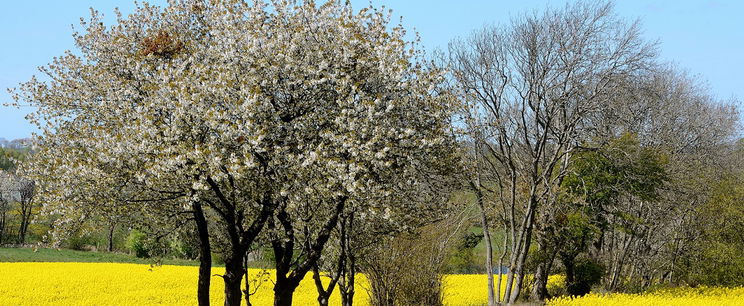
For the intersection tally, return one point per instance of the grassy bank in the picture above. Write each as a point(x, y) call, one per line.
point(64, 255)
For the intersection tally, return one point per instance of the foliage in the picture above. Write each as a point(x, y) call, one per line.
point(529, 91)
point(18, 207)
point(10, 156)
point(462, 259)
point(79, 242)
point(620, 167)
point(587, 274)
point(718, 256)
point(275, 116)
point(183, 248)
point(138, 243)
point(598, 183)
point(408, 269)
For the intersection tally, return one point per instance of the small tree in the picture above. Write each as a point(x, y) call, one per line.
point(407, 269)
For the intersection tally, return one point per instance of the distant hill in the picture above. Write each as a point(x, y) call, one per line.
point(21, 143)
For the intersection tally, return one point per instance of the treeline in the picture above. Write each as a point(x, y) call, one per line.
point(594, 158)
point(319, 141)
point(15, 144)
point(17, 205)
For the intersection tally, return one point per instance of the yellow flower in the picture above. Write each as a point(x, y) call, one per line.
point(135, 284)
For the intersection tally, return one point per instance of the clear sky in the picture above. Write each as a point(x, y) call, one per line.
point(705, 37)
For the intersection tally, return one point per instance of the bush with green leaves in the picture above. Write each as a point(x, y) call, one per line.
point(587, 273)
point(137, 243)
point(463, 259)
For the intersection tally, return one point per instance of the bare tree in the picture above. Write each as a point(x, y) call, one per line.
point(528, 89)
point(4, 202)
point(674, 113)
point(407, 269)
point(26, 192)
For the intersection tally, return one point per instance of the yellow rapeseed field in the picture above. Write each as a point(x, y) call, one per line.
point(136, 284)
point(471, 289)
point(125, 284)
point(678, 297)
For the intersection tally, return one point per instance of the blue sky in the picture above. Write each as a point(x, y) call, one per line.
point(705, 37)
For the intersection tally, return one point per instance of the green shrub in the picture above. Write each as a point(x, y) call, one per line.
point(78, 242)
point(587, 273)
point(218, 258)
point(183, 249)
point(462, 259)
point(137, 244)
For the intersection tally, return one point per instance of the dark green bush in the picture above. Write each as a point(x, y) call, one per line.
point(79, 242)
point(587, 273)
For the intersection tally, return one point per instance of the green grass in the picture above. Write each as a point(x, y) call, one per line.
point(64, 255)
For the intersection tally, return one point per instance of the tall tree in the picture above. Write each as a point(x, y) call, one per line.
point(258, 115)
point(528, 89)
point(674, 114)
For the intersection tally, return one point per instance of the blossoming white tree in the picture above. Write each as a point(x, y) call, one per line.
point(243, 115)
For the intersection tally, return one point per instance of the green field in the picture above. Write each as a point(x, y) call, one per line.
point(64, 255)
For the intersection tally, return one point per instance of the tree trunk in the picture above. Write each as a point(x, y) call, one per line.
point(347, 291)
point(110, 247)
point(283, 292)
point(205, 256)
point(617, 264)
point(240, 238)
point(233, 278)
point(27, 205)
point(2, 225)
point(346, 281)
point(323, 300)
point(323, 293)
point(23, 227)
point(540, 285)
point(487, 238)
point(523, 249)
point(289, 274)
point(568, 263)
point(501, 265)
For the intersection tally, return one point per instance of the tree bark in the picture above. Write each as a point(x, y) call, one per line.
point(25, 216)
point(568, 263)
point(487, 237)
point(523, 250)
point(233, 277)
point(289, 273)
point(27, 192)
point(346, 288)
point(540, 286)
point(205, 256)
point(112, 227)
point(284, 292)
point(324, 294)
point(2, 224)
point(346, 281)
point(240, 238)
